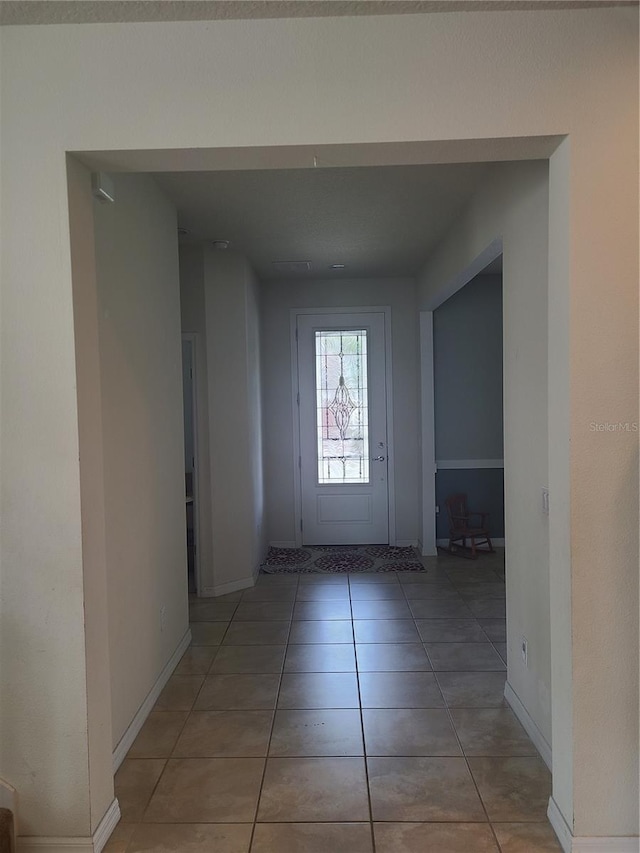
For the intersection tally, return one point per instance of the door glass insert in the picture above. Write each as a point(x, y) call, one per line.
point(342, 406)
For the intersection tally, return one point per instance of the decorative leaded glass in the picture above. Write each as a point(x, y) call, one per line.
point(342, 406)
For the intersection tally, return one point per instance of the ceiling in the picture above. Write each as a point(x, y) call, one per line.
point(378, 221)
point(105, 11)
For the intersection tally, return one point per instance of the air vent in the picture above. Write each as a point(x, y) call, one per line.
point(292, 266)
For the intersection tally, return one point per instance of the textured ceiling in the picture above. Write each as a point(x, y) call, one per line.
point(378, 221)
point(98, 11)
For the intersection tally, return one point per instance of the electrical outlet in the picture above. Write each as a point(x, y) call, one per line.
point(524, 651)
point(545, 501)
point(163, 618)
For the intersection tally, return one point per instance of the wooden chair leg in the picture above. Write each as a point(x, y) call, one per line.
point(491, 551)
point(474, 555)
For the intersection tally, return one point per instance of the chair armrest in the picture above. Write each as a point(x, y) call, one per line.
point(482, 515)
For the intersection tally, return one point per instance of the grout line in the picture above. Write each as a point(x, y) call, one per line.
point(273, 720)
point(364, 743)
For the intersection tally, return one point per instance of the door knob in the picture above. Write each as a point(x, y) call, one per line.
point(378, 459)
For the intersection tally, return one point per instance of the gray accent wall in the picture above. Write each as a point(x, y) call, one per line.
point(467, 343)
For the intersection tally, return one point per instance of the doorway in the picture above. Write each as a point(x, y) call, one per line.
point(343, 401)
point(190, 458)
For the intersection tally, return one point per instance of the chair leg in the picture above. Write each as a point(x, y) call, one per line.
point(491, 551)
point(474, 555)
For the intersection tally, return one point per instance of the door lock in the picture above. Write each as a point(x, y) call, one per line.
point(378, 459)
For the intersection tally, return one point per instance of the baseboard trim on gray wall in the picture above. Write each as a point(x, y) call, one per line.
point(145, 709)
point(407, 543)
point(529, 724)
point(590, 844)
point(444, 543)
point(89, 844)
point(284, 544)
point(232, 586)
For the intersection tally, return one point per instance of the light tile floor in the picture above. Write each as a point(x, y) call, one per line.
point(340, 714)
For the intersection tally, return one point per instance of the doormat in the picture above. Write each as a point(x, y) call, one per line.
point(336, 559)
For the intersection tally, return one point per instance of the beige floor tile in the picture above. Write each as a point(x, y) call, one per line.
point(321, 631)
point(400, 690)
point(134, 784)
point(385, 631)
point(256, 633)
point(207, 633)
point(473, 689)
point(436, 837)
point(380, 609)
point(485, 590)
point(120, 838)
point(468, 571)
point(317, 733)
point(527, 838)
point(248, 659)
point(392, 657)
point(207, 790)
point(238, 693)
point(411, 731)
point(431, 591)
point(439, 608)
point(158, 735)
point(322, 610)
point(423, 789)
point(314, 789)
point(464, 657)
point(279, 592)
point(377, 592)
point(491, 608)
point(191, 838)
point(495, 629)
point(450, 631)
point(337, 657)
point(323, 592)
point(206, 610)
point(277, 580)
point(179, 693)
point(430, 575)
point(312, 838)
point(196, 660)
point(263, 611)
point(329, 579)
point(225, 734)
point(491, 731)
point(319, 690)
point(373, 577)
point(513, 789)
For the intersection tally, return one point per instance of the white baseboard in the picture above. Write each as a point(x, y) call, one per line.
point(145, 709)
point(444, 543)
point(584, 844)
point(282, 545)
point(406, 543)
point(529, 725)
point(106, 827)
point(89, 844)
point(232, 586)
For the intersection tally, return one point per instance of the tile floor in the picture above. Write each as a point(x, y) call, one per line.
point(342, 714)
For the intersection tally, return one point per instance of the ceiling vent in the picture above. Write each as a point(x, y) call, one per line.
point(292, 266)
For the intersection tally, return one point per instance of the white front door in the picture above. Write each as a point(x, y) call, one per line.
point(343, 428)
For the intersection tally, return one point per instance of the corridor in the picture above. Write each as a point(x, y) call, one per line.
point(340, 714)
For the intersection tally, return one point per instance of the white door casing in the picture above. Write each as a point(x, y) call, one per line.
point(343, 461)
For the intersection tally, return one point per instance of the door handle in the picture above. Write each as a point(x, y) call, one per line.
point(378, 459)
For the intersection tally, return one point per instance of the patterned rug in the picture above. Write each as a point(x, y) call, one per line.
point(329, 559)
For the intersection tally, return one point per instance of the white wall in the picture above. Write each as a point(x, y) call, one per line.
point(387, 89)
point(235, 439)
point(142, 429)
point(278, 300)
point(513, 204)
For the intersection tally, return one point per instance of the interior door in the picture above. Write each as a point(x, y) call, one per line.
point(343, 428)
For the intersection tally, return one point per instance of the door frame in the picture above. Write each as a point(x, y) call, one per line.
point(295, 409)
point(192, 337)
